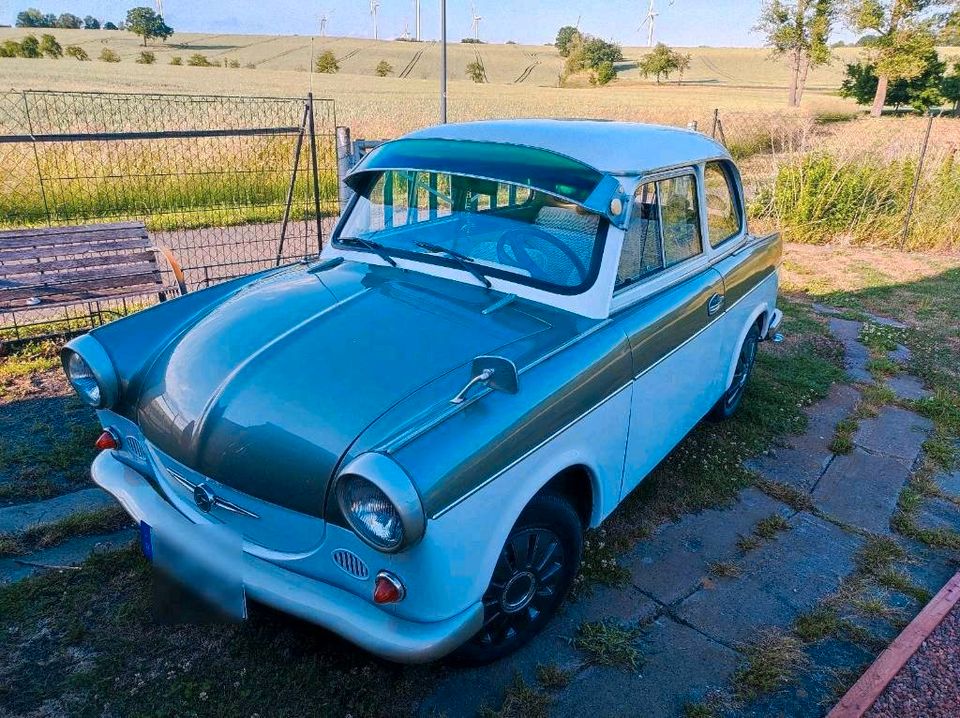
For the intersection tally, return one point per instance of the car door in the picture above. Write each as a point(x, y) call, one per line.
point(668, 300)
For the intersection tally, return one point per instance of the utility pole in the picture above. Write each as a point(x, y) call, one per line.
point(443, 62)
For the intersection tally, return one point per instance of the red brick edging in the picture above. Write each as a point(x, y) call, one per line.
point(872, 683)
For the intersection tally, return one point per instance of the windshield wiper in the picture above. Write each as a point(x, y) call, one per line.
point(371, 245)
point(462, 259)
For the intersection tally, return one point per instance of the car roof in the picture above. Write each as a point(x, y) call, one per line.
point(623, 148)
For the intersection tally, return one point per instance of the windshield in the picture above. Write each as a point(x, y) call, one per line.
point(486, 227)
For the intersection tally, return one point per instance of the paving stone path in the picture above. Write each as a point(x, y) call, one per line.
point(693, 626)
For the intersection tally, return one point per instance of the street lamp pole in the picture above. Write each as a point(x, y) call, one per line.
point(443, 62)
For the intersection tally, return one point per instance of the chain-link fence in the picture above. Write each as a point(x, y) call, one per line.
point(230, 184)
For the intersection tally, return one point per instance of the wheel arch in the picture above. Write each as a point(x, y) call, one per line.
point(578, 485)
point(761, 314)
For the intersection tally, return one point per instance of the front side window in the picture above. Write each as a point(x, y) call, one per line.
point(723, 210)
point(501, 229)
point(664, 229)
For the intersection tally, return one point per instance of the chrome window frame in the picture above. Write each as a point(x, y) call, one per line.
point(735, 187)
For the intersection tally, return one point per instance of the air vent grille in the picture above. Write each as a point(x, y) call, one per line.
point(136, 448)
point(350, 563)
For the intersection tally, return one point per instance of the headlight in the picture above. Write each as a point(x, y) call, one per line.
point(370, 513)
point(81, 377)
point(380, 503)
point(90, 371)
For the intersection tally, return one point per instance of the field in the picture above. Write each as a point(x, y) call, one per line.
point(522, 80)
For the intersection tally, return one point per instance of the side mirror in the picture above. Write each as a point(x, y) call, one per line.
point(495, 372)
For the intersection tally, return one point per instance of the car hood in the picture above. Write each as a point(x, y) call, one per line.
point(268, 390)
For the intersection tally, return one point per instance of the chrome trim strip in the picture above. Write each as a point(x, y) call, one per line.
point(217, 501)
point(543, 443)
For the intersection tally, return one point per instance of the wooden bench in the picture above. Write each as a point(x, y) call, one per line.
point(48, 267)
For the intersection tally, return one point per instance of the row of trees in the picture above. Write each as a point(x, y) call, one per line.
point(899, 39)
point(142, 21)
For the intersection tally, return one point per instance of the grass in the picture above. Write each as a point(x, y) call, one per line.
point(607, 643)
point(842, 442)
point(520, 701)
point(770, 661)
point(724, 569)
point(817, 623)
point(770, 526)
point(599, 565)
point(877, 554)
point(785, 493)
point(88, 523)
point(553, 678)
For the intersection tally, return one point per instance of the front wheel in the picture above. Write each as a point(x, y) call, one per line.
point(731, 399)
point(533, 574)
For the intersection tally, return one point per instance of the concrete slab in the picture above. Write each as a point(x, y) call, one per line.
point(856, 355)
point(907, 387)
point(894, 432)
point(680, 666)
point(782, 578)
point(804, 458)
point(672, 562)
point(885, 321)
point(949, 483)
point(939, 514)
point(862, 489)
point(17, 518)
point(826, 309)
point(901, 355)
point(71, 553)
point(463, 691)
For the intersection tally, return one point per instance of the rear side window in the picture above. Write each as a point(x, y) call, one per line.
point(723, 210)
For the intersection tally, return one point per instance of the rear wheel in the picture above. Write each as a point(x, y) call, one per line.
point(731, 399)
point(533, 574)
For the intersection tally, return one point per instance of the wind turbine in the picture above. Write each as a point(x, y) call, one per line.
point(160, 7)
point(324, 19)
point(374, 7)
point(475, 22)
point(650, 21)
point(417, 3)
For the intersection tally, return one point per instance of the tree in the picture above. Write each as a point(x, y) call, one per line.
point(34, 18)
point(146, 58)
point(68, 21)
point(383, 69)
point(30, 47)
point(326, 62)
point(921, 92)
point(78, 52)
point(565, 36)
point(950, 88)
point(682, 63)
point(148, 24)
point(50, 47)
point(91, 23)
point(800, 31)
point(109, 26)
point(604, 74)
point(108, 55)
point(903, 40)
point(476, 72)
point(598, 51)
point(659, 63)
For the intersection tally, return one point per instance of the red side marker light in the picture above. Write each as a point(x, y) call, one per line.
point(107, 441)
point(387, 588)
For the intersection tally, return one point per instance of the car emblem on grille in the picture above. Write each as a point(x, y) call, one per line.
point(204, 498)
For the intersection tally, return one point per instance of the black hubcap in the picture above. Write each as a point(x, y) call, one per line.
point(744, 365)
point(525, 584)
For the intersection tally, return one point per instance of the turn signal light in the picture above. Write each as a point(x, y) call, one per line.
point(107, 441)
point(387, 588)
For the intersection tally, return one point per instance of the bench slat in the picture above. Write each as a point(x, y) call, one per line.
point(85, 297)
point(57, 251)
point(83, 286)
point(36, 281)
point(57, 265)
point(67, 240)
point(72, 229)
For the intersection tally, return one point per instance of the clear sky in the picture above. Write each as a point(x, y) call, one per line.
point(681, 23)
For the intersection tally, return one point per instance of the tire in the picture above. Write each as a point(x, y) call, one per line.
point(733, 396)
point(533, 575)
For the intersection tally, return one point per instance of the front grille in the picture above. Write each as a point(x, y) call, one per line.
point(350, 563)
point(136, 448)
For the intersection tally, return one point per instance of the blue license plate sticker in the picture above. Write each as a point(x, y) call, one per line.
point(146, 540)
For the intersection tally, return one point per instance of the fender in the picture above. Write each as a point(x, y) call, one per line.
point(762, 309)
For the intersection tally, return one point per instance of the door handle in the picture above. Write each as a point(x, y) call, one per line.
point(715, 304)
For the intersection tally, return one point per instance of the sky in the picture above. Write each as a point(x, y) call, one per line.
point(683, 23)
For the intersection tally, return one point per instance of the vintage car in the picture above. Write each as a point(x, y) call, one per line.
point(513, 323)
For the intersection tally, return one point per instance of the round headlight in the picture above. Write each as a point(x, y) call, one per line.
point(371, 514)
point(83, 380)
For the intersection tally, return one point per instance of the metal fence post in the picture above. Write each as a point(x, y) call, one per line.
point(716, 122)
point(344, 163)
point(916, 183)
point(316, 174)
point(298, 147)
point(36, 157)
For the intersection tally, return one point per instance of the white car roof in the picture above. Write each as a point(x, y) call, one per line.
point(619, 148)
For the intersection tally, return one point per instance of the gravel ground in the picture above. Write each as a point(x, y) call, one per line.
point(928, 686)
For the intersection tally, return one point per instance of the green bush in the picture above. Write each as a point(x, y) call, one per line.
point(108, 55)
point(604, 74)
point(176, 60)
point(383, 69)
point(476, 72)
point(326, 62)
point(199, 60)
point(50, 47)
point(146, 58)
point(30, 47)
point(77, 52)
point(10, 48)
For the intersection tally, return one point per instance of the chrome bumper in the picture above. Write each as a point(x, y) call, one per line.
point(337, 610)
point(775, 321)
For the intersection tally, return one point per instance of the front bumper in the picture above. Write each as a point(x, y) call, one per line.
point(337, 610)
point(776, 320)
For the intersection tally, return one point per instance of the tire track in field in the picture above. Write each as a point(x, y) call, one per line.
point(528, 71)
point(405, 72)
point(245, 47)
point(282, 54)
point(712, 66)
